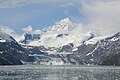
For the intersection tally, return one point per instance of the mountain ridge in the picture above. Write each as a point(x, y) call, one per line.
point(61, 44)
point(60, 34)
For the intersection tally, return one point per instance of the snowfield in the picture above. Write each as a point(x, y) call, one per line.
point(62, 33)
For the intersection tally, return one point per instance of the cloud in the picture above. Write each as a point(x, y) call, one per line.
point(6, 30)
point(103, 15)
point(12, 3)
point(19, 3)
point(27, 29)
point(10, 32)
point(100, 15)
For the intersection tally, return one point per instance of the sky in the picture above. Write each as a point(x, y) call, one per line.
point(98, 15)
point(18, 14)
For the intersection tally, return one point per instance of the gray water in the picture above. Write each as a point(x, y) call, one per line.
point(37, 72)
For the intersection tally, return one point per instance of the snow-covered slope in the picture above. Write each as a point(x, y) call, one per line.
point(64, 25)
point(95, 40)
point(10, 51)
point(30, 35)
point(6, 38)
point(68, 42)
point(58, 35)
point(58, 40)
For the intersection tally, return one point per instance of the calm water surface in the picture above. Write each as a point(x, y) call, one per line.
point(37, 72)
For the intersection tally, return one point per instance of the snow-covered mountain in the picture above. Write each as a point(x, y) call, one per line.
point(6, 38)
point(104, 52)
point(58, 35)
point(30, 35)
point(61, 26)
point(97, 51)
point(11, 53)
point(63, 43)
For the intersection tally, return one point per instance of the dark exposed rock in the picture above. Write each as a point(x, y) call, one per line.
point(67, 48)
point(11, 53)
point(29, 37)
point(62, 35)
point(104, 52)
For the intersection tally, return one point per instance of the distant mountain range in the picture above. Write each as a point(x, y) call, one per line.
point(61, 44)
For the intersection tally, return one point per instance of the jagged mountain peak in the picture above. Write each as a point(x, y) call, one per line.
point(66, 20)
point(29, 30)
point(61, 33)
point(113, 38)
point(117, 34)
point(30, 35)
point(65, 24)
point(5, 37)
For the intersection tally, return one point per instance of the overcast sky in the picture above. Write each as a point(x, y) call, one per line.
point(99, 15)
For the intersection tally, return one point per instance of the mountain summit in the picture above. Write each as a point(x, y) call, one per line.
point(65, 24)
point(58, 35)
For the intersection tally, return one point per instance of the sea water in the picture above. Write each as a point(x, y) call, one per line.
point(37, 72)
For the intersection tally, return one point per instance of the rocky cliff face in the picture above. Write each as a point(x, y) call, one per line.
point(64, 41)
point(107, 51)
point(11, 53)
point(104, 52)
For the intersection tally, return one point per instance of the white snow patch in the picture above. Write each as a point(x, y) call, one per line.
point(95, 40)
point(75, 34)
point(91, 59)
point(1, 52)
point(2, 41)
point(75, 49)
point(89, 54)
point(114, 39)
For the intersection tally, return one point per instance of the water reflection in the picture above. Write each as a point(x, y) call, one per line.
point(59, 73)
